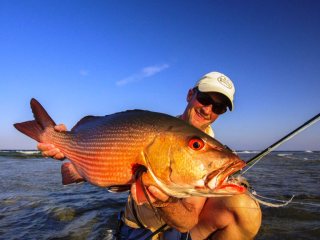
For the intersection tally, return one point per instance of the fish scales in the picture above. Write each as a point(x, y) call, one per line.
point(99, 175)
point(106, 151)
point(104, 158)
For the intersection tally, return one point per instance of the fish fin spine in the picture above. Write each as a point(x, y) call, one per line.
point(70, 174)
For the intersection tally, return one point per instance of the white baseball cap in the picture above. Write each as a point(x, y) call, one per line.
point(217, 82)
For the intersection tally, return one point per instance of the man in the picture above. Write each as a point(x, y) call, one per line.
point(236, 217)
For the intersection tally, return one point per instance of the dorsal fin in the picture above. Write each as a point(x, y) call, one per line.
point(83, 121)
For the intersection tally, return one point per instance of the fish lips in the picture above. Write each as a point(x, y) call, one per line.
point(217, 179)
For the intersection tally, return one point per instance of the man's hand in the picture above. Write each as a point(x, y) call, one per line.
point(154, 193)
point(157, 194)
point(181, 214)
point(49, 150)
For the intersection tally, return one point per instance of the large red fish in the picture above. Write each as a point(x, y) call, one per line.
point(106, 151)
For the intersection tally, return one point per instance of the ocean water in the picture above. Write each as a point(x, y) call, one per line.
point(35, 205)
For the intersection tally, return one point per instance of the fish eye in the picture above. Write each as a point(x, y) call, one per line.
point(196, 143)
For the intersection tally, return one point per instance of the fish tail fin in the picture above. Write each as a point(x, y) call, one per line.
point(41, 115)
point(31, 129)
point(35, 128)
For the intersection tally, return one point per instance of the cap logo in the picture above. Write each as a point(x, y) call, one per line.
point(225, 82)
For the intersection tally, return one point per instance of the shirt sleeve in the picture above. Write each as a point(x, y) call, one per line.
point(209, 131)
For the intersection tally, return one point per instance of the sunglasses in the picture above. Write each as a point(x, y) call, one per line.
point(204, 99)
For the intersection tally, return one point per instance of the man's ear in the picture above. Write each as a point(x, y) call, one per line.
point(190, 95)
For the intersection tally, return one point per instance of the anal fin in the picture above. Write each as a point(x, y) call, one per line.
point(70, 174)
point(140, 192)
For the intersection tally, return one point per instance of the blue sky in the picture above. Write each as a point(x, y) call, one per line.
point(99, 57)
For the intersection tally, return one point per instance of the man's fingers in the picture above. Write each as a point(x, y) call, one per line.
point(59, 156)
point(54, 153)
point(51, 152)
point(45, 147)
point(60, 128)
point(158, 194)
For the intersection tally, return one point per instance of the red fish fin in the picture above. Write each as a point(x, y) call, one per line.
point(140, 194)
point(41, 115)
point(70, 174)
point(119, 188)
point(35, 128)
point(31, 129)
point(142, 182)
point(143, 194)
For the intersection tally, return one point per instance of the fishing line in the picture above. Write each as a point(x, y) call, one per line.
point(259, 156)
point(254, 196)
point(283, 201)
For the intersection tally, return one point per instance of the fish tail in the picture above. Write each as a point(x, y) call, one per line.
point(37, 127)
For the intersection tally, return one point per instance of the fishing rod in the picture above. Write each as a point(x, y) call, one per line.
point(251, 162)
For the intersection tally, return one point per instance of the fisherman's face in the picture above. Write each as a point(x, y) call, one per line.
point(198, 114)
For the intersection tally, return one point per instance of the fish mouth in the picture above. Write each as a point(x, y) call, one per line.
point(219, 179)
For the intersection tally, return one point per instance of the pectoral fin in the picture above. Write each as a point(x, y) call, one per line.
point(142, 180)
point(141, 191)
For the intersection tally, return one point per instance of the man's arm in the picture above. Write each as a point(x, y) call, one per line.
point(245, 221)
point(237, 217)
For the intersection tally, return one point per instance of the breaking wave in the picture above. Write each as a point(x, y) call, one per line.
point(247, 151)
point(20, 153)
